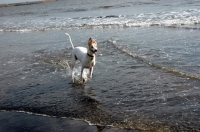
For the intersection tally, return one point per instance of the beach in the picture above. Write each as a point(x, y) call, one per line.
point(146, 76)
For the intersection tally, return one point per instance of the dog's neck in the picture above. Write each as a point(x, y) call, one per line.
point(90, 53)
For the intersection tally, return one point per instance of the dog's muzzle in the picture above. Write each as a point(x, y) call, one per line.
point(94, 51)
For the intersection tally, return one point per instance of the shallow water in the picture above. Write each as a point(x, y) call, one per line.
point(146, 76)
point(125, 91)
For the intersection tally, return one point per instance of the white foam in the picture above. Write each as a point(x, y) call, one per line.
point(92, 124)
point(185, 17)
point(26, 112)
point(24, 30)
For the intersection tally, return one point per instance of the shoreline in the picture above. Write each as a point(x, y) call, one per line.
point(25, 121)
point(26, 3)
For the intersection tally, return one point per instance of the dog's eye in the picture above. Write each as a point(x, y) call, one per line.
point(92, 47)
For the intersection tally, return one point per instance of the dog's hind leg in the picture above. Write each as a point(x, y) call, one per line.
point(73, 74)
point(82, 74)
point(73, 66)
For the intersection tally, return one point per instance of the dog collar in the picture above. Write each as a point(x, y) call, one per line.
point(90, 55)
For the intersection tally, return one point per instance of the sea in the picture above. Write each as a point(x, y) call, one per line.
point(147, 72)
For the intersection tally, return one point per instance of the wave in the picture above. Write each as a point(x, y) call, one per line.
point(188, 19)
point(168, 69)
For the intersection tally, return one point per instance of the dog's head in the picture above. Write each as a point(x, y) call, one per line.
point(92, 44)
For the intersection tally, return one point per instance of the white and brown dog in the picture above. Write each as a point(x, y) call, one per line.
point(85, 55)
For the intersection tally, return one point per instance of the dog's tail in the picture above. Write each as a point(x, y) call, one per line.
point(70, 40)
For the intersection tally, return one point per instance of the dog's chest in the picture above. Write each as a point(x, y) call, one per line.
point(89, 63)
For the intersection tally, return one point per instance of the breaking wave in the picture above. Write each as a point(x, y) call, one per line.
point(188, 19)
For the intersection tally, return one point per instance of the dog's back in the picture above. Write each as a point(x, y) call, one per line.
point(79, 52)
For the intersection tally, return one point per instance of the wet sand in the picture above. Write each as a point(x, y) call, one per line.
point(23, 122)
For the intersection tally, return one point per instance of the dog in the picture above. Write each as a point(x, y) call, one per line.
point(85, 55)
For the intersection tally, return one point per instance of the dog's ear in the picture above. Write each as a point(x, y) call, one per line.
point(89, 41)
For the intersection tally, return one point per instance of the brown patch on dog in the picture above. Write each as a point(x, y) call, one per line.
point(92, 42)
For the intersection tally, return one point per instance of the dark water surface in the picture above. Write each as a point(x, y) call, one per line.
point(146, 76)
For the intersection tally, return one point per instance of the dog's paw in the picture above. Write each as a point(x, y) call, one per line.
point(88, 75)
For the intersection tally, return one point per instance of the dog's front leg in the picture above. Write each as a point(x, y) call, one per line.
point(90, 73)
